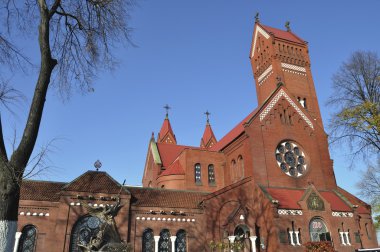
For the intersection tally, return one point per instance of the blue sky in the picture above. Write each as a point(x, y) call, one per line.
point(192, 55)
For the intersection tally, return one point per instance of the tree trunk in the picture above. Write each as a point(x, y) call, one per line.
point(9, 202)
point(11, 171)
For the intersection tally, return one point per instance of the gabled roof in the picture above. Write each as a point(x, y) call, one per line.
point(40, 190)
point(169, 152)
point(166, 132)
point(95, 182)
point(286, 35)
point(208, 138)
point(155, 197)
point(174, 169)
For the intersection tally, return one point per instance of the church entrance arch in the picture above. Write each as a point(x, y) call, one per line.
point(242, 235)
point(318, 230)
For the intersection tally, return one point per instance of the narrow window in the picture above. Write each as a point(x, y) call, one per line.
point(241, 167)
point(366, 230)
point(211, 174)
point(180, 242)
point(164, 243)
point(233, 170)
point(28, 239)
point(197, 171)
point(148, 241)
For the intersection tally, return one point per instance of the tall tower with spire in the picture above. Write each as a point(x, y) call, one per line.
point(281, 57)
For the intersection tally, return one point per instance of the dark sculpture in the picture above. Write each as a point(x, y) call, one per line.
point(107, 238)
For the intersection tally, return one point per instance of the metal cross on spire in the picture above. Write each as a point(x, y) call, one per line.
point(167, 110)
point(207, 116)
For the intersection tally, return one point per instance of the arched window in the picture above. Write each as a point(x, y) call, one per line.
point(197, 171)
point(164, 243)
point(180, 242)
point(367, 231)
point(148, 241)
point(211, 174)
point(241, 167)
point(233, 170)
point(83, 230)
point(28, 239)
point(318, 230)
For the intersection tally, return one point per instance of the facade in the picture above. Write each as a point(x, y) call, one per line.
point(268, 183)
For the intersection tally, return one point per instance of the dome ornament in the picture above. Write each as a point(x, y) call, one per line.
point(97, 165)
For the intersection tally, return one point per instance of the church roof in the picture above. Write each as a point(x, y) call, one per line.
point(166, 129)
point(40, 190)
point(288, 198)
point(169, 152)
point(174, 169)
point(363, 208)
point(95, 182)
point(155, 197)
point(286, 35)
point(208, 135)
point(233, 134)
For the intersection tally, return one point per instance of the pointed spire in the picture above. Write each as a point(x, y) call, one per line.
point(208, 138)
point(166, 134)
point(257, 18)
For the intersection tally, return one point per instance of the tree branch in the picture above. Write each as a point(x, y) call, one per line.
point(3, 151)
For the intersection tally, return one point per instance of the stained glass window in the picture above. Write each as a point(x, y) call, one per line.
point(197, 170)
point(211, 174)
point(148, 241)
point(180, 242)
point(318, 230)
point(84, 229)
point(164, 243)
point(28, 239)
point(291, 159)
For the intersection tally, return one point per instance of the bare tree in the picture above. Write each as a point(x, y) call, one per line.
point(356, 97)
point(75, 38)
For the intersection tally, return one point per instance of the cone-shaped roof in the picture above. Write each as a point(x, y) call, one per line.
point(166, 134)
point(208, 138)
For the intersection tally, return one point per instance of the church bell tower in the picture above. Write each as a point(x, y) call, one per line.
point(279, 56)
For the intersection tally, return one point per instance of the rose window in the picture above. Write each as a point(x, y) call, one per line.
point(291, 159)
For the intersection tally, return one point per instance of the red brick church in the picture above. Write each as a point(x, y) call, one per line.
point(269, 183)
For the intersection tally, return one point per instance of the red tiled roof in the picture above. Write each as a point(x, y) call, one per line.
point(363, 208)
point(95, 182)
point(166, 128)
point(169, 152)
point(287, 198)
point(40, 190)
point(208, 134)
point(153, 197)
point(234, 133)
point(287, 35)
point(337, 204)
point(174, 169)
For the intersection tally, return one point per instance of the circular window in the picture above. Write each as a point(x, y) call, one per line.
point(291, 159)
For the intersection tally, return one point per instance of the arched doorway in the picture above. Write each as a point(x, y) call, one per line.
point(318, 230)
point(242, 235)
